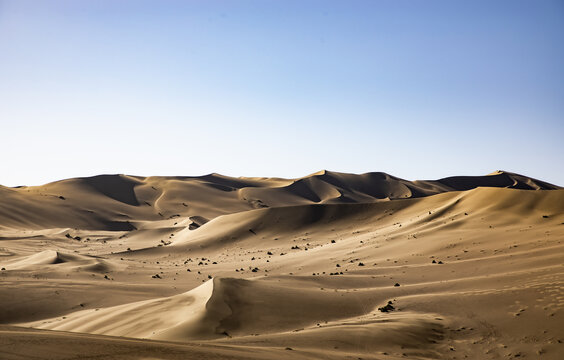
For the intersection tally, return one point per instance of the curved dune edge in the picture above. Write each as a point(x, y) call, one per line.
point(227, 307)
point(49, 258)
point(178, 317)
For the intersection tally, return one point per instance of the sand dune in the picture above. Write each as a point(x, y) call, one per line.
point(219, 308)
point(67, 262)
point(220, 267)
point(114, 202)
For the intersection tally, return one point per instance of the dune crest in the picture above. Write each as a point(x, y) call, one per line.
point(158, 318)
point(83, 202)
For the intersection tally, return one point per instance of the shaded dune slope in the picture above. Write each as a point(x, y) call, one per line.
point(423, 213)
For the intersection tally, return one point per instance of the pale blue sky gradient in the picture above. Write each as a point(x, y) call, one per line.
point(418, 89)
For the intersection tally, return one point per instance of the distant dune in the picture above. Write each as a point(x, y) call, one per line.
point(113, 202)
point(328, 266)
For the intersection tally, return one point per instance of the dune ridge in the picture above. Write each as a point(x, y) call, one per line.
point(83, 202)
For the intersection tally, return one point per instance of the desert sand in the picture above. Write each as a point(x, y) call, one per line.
point(328, 266)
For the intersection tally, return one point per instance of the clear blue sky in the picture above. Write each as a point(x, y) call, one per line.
point(418, 89)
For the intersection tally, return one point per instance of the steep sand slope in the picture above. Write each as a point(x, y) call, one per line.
point(479, 271)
